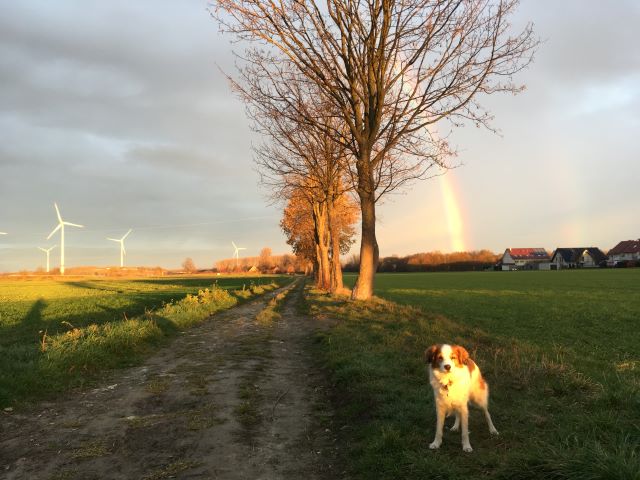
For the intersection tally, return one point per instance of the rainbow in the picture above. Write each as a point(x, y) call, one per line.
point(450, 194)
point(453, 213)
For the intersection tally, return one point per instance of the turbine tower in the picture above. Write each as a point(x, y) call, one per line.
point(47, 251)
point(61, 224)
point(236, 252)
point(122, 250)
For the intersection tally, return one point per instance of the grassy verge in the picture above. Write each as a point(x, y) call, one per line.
point(563, 410)
point(53, 354)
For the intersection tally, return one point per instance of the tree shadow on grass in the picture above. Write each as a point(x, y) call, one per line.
point(207, 282)
point(204, 282)
point(97, 285)
point(57, 319)
point(167, 326)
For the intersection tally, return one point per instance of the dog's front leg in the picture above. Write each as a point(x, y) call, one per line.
point(439, 427)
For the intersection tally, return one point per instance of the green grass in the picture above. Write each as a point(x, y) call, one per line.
point(559, 350)
point(57, 335)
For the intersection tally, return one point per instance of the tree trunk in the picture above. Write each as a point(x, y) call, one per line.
point(369, 253)
point(313, 268)
point(334, 231)
point(322, 247)
point(324, 276)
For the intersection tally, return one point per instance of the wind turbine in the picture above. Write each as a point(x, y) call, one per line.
point(61, 224)
point(122, 250)
point(47, 250)
point(236, 252)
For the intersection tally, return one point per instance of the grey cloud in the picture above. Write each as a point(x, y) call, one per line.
point(188, 161)
point(85, 75)
point(117, 111)
point(585, 41)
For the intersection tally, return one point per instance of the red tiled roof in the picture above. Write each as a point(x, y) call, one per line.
point(626, 246)
point(528, 253)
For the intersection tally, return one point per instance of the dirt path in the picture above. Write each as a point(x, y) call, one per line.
point(233, 398)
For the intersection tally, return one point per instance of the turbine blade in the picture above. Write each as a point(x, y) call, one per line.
point(127, 234)
point(123, 250)
point(73, 224)
point(43, 249)
point(242, 248)
point(113, 239)
point(234, 245)
point(57, 211)
point(3, 233)
point(55, 230)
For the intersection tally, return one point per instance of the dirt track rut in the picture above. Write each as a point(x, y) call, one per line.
point(232, 398)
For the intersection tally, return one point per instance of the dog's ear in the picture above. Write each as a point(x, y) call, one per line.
point(462, 354)
point(430, 353)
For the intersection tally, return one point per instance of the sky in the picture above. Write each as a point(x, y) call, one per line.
point(119, 112)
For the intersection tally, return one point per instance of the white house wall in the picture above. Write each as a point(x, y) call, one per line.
point(559, 262)
point(587, 260)
point(625, 256)
point(507, 258)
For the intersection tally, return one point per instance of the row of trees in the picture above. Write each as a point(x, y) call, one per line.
point(266, 262)
point(432, 261)
point(348, 96)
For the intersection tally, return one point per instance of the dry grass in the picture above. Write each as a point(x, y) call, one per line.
point(270, 313)
point(171, 470)
point(157, 386)
point(91, 450)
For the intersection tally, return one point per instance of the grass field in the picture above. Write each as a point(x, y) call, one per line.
point(559, 349)
point(59, 334)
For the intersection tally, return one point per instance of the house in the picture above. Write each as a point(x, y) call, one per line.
point(577, 257)
point(525, 259)
point(253, 269)
point(627, 250)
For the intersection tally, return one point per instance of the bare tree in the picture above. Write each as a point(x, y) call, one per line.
point(393, 69)
point(266, 261)
point(299, 160)
point(188, 265)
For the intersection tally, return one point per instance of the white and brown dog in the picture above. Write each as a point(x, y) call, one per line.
point(456, 381)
